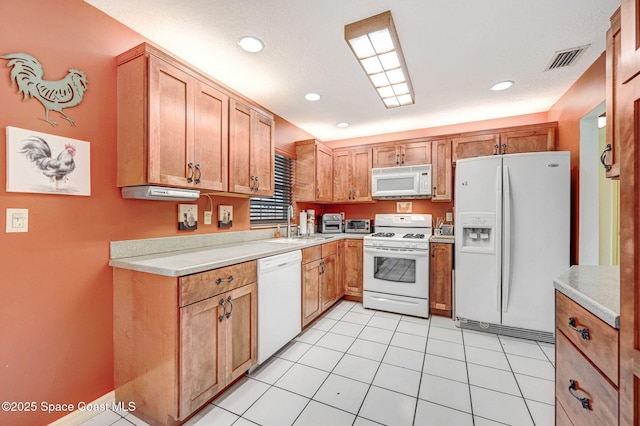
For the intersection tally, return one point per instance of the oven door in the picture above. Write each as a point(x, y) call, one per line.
point(403, 272)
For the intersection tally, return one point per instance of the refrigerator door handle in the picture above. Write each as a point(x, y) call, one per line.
point(497, 237)
point(506, 272)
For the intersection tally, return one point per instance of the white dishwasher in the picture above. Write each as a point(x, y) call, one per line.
point(279, 302)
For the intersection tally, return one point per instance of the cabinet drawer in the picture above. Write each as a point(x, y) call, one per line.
point(329, 248)
point(196, 287)
point(310, 254)
point(602, 345)
point(602, 396)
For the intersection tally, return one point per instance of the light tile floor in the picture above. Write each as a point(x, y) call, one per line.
point(360, 367)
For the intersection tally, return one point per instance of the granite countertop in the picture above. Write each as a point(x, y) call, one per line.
point(595, 288)
point(179, 256)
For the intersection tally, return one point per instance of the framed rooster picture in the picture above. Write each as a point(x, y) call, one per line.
point(47, 164)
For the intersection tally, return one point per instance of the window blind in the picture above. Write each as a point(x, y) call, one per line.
point(266, 211)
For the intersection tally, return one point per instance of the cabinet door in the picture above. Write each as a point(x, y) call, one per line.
point(241, 323)
point(262, 153)
point(340, 265)
point(475, 146)
point(353, 268)
point(202, 357)
point(441, 169)
point(361, 174)
point(311, 306)
point(386, 155)
point(342, 190)
point(328, 274)
point(415, 153)
point(630, 15)
point(440, 289)
point(211, 138)
point(614, 86)
point(170, 124)
point(528, 141)
point(324, 174)
point(240, 148)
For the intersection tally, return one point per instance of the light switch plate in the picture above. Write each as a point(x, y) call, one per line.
point(17, 220)
point(449, 217)
point(207, 217)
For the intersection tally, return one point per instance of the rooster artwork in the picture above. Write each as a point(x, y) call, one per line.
point(47, 164)
point(28, 75)
point(37, 150)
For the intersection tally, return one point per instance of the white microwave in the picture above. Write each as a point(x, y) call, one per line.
point(401, 182)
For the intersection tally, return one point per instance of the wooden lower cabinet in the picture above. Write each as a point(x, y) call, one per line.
point(441, 282)
point(585, 395)
point(353, 268)
point(321, 281)
point(178, 342)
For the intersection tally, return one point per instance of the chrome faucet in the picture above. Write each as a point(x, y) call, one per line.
point(289, 216)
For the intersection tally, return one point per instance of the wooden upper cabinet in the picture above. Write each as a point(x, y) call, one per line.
point(405, 154)
point(172, 124)
point(475, 146)
point(314, 172)
point(441, 170)
point(539, 137)
point(611, 155)
point(542, 139)
point(251, 150)
point(211, 136)
point(352, 175)
point(630, 21)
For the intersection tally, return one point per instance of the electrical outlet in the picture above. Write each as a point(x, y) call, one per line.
point(17, 220)
point(207, 218)
point(449, 217)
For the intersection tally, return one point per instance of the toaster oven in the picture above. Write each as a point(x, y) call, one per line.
point(361, 226)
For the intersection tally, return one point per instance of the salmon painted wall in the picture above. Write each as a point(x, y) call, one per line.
point(587, 93)
point(56, 313)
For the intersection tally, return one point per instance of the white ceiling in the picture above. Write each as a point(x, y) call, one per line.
point(455, 50)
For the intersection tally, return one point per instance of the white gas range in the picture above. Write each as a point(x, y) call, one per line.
point(396, 264)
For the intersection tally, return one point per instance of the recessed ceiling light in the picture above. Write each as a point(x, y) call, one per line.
point(502, 85)
point(251, 44)
point(342, 124)
point(312, 97)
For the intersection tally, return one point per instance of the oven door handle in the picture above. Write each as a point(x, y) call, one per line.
point(392, 250)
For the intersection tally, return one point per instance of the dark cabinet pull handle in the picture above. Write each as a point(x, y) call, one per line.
point(318, 192)
point(584, 401)
point(584, 331)
point(252, 187)
point(495, 149)
point(257, 184)
point(221, 317)
point(433, 251)
point(504, 148)
point(397, 159)
point(603, 158)
point(190, 178)
point(228, 280)
point(231, 306)
point(199, 169)
point(402, 161)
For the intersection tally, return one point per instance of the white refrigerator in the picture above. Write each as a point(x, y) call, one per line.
point(512, 238)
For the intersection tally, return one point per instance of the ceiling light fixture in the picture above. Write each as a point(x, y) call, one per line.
point(251, 44)
point(375, 44)
point(312, 97)
point(502, 85)
point(342, 124)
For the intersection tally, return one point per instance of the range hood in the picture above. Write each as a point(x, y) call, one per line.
point(148, 192)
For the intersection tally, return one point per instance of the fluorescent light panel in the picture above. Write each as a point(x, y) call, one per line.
point(375, 44)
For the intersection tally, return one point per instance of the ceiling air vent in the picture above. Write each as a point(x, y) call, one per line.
point(564, 58)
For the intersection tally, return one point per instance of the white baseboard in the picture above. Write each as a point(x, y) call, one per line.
point(78, 417)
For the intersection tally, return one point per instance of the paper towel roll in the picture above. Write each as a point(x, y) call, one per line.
point(303, 223)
